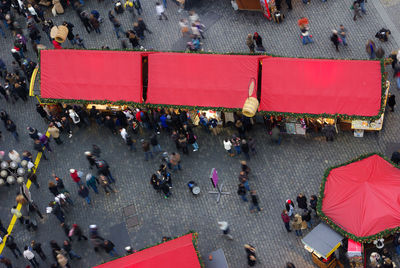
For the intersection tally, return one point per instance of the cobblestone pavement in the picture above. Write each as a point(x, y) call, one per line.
point(278, 172)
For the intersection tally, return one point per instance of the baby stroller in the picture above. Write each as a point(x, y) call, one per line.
point(383, 34)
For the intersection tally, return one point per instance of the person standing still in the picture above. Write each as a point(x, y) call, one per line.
point(343, 34)
point(335, 39)
point(286, 220)
point(250, 43)
point(224, 227)
point(55, 133)
point(160, 11)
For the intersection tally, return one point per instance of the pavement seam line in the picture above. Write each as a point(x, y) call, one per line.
point(28, 185)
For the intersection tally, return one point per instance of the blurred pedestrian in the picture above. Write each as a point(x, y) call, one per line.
point(91, 181)
point(160, 11)
point(254, 202)
point(75, 176)
point(109, 247)
point(391, 101)
point(251, 254)
point(30, 256)
point(224, 227)
point(105, 184)
point(37, 247)
point(370, 49)
point(335, 39)
point(245, 149)
point(242, 192)
point(11, 245)
point(84, 193)
point(343, 34)
point(68, 248)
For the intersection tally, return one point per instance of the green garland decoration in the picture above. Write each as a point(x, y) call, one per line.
point(224, 109)
point(195, 237)
point(337, 228)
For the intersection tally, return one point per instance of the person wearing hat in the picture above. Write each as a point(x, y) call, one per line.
point(91, 159)
point(335, 39)
point(77, 231)
point(297, 225)
point(75, 177)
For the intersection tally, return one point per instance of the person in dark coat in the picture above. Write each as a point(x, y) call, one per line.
point(251, 254)
point(245, 149)
point(71, 35)
point(109, 247)
point(301, 201)
point(329, 132)
point(91, 159)
point(242, 192)
point(37, 247)
point(11, 245)
point(109, 122)
point(289, 4)
point(257, 38)
point(53, 188)
point(41, 111)
point(313, 202)
point(335, 39)
point(10, 126)
point(391, 102)
point(395, 157)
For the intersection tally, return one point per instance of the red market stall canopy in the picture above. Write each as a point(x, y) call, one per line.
point(179, 252)
point(200, 80)
point(361, 199)
point(91, 75)
point(320, 86)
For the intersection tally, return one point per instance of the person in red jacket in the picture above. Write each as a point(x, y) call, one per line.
point(286, 220)
point(75, 177)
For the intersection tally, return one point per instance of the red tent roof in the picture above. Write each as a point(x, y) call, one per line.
point(91, 75)
point(351, 87)
point(178, 252)
point(363, 198)
point(200, 79)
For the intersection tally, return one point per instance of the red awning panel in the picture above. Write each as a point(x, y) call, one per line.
point(91, 75)
point(363, 198)
point(200, 79)
point(350, 87)
point(179, 252)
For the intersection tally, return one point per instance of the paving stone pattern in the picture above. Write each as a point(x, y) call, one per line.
point(278, 172)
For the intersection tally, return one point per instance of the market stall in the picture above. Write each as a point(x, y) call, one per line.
point(207, 85)
point(322, 242)
point(91, 75)
point(313, 97)
point(358, 200)
point(179, 252)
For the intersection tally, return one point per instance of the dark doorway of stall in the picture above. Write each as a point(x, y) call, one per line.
point(145, 76)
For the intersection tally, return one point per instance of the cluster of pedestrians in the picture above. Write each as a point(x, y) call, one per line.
point(301, 220)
